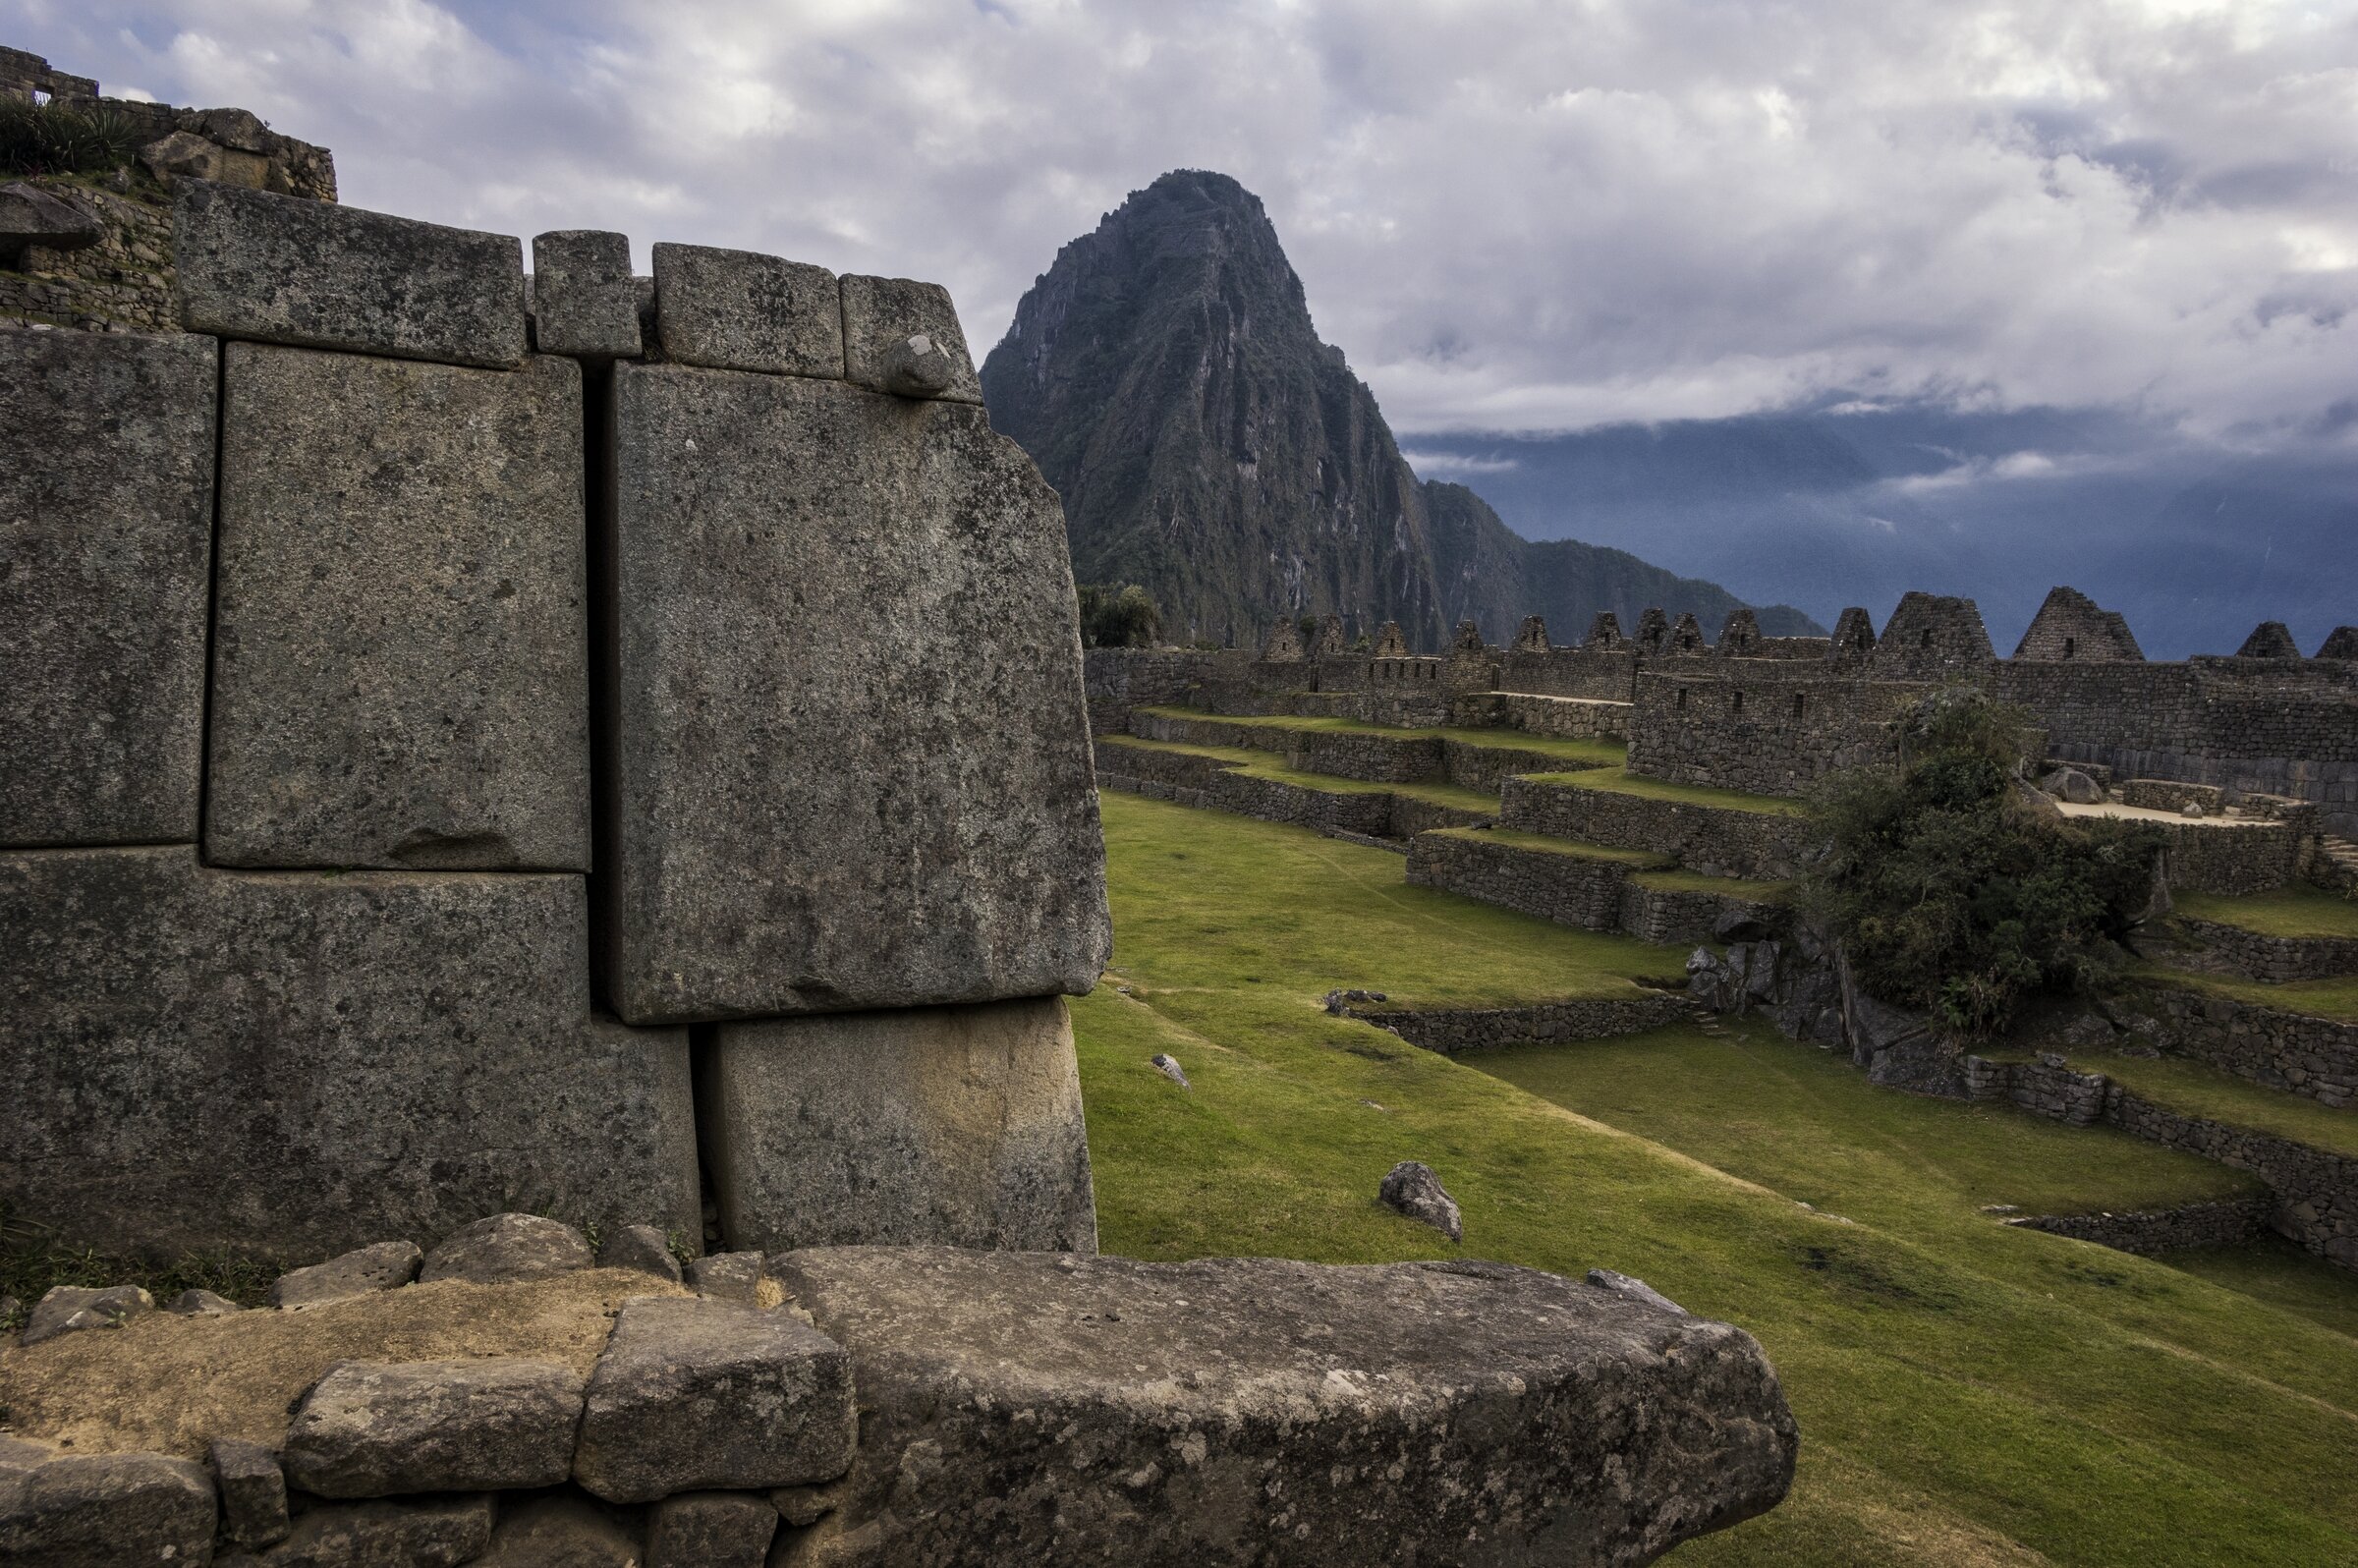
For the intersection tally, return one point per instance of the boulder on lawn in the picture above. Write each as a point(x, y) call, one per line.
point(1412, 1189)
point(70, 1308)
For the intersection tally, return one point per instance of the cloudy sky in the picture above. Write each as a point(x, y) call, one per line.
point(1520, 215)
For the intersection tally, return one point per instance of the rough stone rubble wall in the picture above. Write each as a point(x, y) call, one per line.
point(438, 777)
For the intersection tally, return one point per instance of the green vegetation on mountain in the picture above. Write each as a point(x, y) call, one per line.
point(1165, 376)
point(1968, 1393)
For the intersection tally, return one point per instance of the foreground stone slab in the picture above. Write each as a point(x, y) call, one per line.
point(363, 1272)
point(880, 316)
point(710, 1529)
point(852, 763)
point(401, 661)
point(72, 1309)
point(952, 1124)
point(694, 1395)
point(294, 1064)
point(106, 501)
point(379, 1428)
point(1022, 1408)
point(741, 310)
point(108, 1511)
point(560, 1532)
point(321, 275)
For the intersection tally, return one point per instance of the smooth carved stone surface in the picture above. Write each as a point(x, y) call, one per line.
point(728, 1277)
point(952, 1124)
point(363, 1272)
point(585, 302)
point(1022, 1408)
point(109, 1511)
point(694, 1395)
point(72, 1309)
point(321, 275)
point(290, 1063)
point(560, 1532)
point(710, 1529)
point(106, 503)
point(437, 1532)
point(252, 1493)
point(401, 661)
point(852, 766)
point(506, 1247)
point(740, 311)
point(880, 316)
point(377, 1429)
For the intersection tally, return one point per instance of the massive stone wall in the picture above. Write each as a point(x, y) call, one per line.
point(335, 603)
point(1768, 726)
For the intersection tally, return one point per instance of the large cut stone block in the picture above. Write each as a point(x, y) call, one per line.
point(401, 663)
point(585, 302)
point(881, 318)
point(106, 528)
point(1053, 1411)
point(741, 310)
point(956, 1125)
point(292, 1064)
point(851, 763)
point(320, 275)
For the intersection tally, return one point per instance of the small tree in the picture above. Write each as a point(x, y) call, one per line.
point(1118, 617)
point(1949, 891)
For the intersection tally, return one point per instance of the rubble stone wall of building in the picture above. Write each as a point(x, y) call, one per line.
point(1716, 840)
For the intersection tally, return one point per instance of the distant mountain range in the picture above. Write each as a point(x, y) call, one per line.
point(1165, 376)
point(1849, 505)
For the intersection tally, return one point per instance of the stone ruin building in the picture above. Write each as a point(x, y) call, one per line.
point(510, 785)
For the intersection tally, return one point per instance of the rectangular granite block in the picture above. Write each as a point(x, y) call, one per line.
point(850, 758)
point(106, 532)
point(741, 310)
point(952, 1124)
point(585, 301)
point(289, 1064)
point(281, 270)
point(401, 668)
point(879, 312)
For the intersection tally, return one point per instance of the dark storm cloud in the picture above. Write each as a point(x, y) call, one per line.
point(1514, 214)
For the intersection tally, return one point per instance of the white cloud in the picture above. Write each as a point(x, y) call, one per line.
point(1514, 215)
point(1452, 465)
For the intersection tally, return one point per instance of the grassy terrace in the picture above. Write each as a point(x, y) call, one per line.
point(1258, 764)
point(1679, 880)
point(1591, 752)
point(2199, 1090)
point(1968, 1393)
point(2293, 910)
point(1620, 781)
point(2335, 998)
point(1571, 848)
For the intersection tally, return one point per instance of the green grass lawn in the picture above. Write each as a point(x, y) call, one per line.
point(1543, 844)
point(2336, 998)
point(2296, 909)
point(1261, 765)
point(1680, 880)
point(1571, 749)
point(1968, 1393)
point(1620, 781)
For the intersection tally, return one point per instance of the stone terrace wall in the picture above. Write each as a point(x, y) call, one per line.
point(2210, 857)
point(1716, 840)
point(2292, 1051)
point(1565, 717)
point(446, 572)
point(1454, 1031)
point(2254, 955)
point(1769, 727)
point(2229, 1222)
point(1583, 890)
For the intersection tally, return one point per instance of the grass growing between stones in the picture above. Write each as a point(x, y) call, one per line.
point(1676, 880)
point(1968, 1393)
point(2293, 910)
point(1620, 781)
point(2336, 998)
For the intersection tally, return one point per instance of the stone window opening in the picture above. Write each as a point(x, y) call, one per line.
point(1682, 698)
point(2070, 646)
point(1739, 701)
point(1928, 637)
point(1800, 705)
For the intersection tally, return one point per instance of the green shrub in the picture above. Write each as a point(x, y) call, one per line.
point(64, 138)
point(1950, 891)
point(1118, 617)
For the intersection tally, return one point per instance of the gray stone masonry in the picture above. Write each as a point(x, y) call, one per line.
point(291, 1065)
point(585, 302)
point(710, 1529)
point(106, 501)
point(499, 1248)
point(2293, 1051)
point(2229, 1222)
point(1455, 1030)
point(835, 612)
point(253, 1491)
point(1020, 1408)
point(739, 310)
point(401, 654)
point(281, 270)
point(561, 1531)
point(110, 1511)
point(2255, 955)
point(1570, 889)
point(694, 1395)
point(380, 1429)
point(881, 314)
point(956, 1125)
point(1716, 840)
point(429, 1533)
point(363, 1272)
